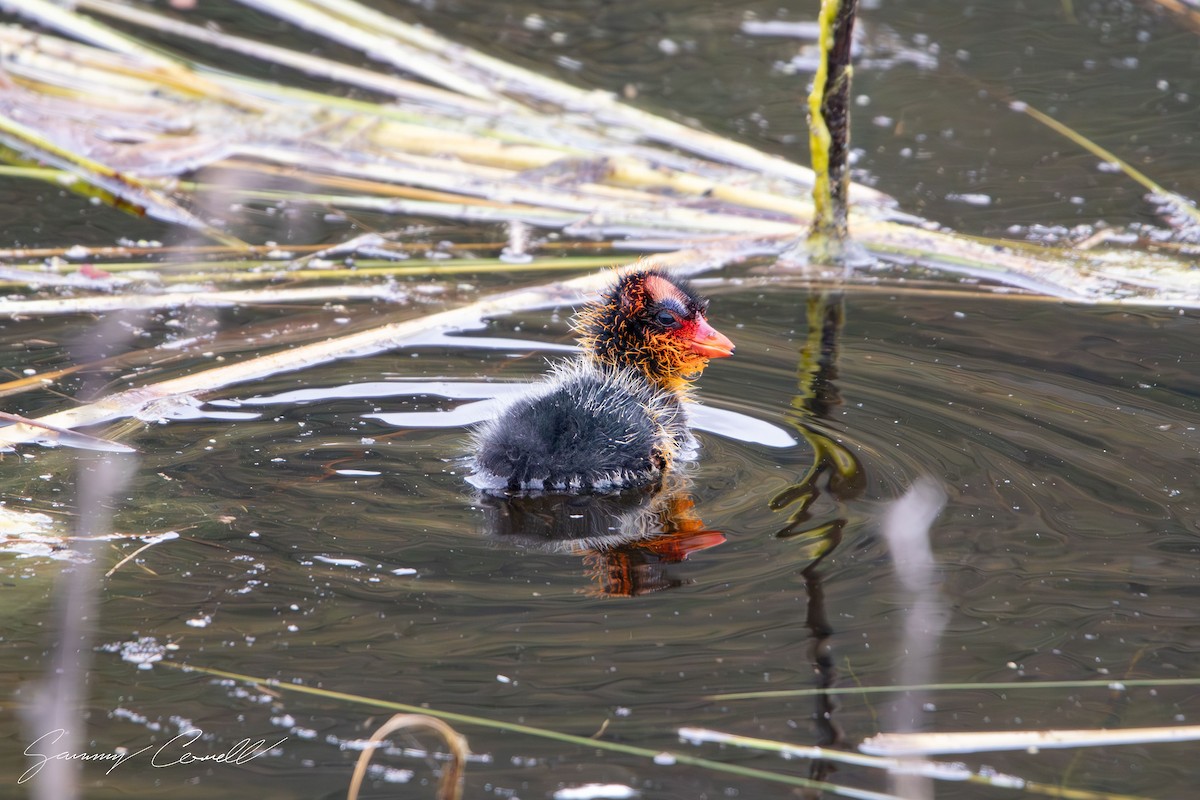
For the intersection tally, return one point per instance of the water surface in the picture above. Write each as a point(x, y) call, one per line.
point(327, 535)
point(322, 544)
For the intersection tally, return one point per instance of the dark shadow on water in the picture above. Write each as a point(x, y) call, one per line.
point(626, 539)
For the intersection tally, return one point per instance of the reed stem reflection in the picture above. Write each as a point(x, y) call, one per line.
point(834, 471)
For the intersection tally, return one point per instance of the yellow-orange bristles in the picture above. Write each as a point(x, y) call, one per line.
point(614, 331)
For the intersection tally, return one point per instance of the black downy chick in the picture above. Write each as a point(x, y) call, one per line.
point(613, 417)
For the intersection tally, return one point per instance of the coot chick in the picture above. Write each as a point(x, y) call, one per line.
point(613, 417)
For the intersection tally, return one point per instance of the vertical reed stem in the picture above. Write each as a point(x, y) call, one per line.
point(829, 130)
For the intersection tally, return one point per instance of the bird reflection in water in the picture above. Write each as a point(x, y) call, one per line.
point(627, 539)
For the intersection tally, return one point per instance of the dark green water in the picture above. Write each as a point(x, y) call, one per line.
point(328, 537)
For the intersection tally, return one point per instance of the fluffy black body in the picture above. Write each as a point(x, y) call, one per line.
point(613, 418)
point(591, 426)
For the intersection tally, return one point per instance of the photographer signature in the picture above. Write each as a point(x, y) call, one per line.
point(173, 753)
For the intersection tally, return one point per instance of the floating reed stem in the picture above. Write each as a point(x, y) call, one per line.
point(160, 399)
point(564, 159)
point(314, 66)
point(589, 743)
point(136, 194)
point(453, 773)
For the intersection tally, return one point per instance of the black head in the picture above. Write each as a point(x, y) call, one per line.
point(655, 323)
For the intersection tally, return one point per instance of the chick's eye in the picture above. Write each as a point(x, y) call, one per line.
point(667, 319)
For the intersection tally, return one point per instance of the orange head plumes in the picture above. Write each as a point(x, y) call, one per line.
point(655, 324)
